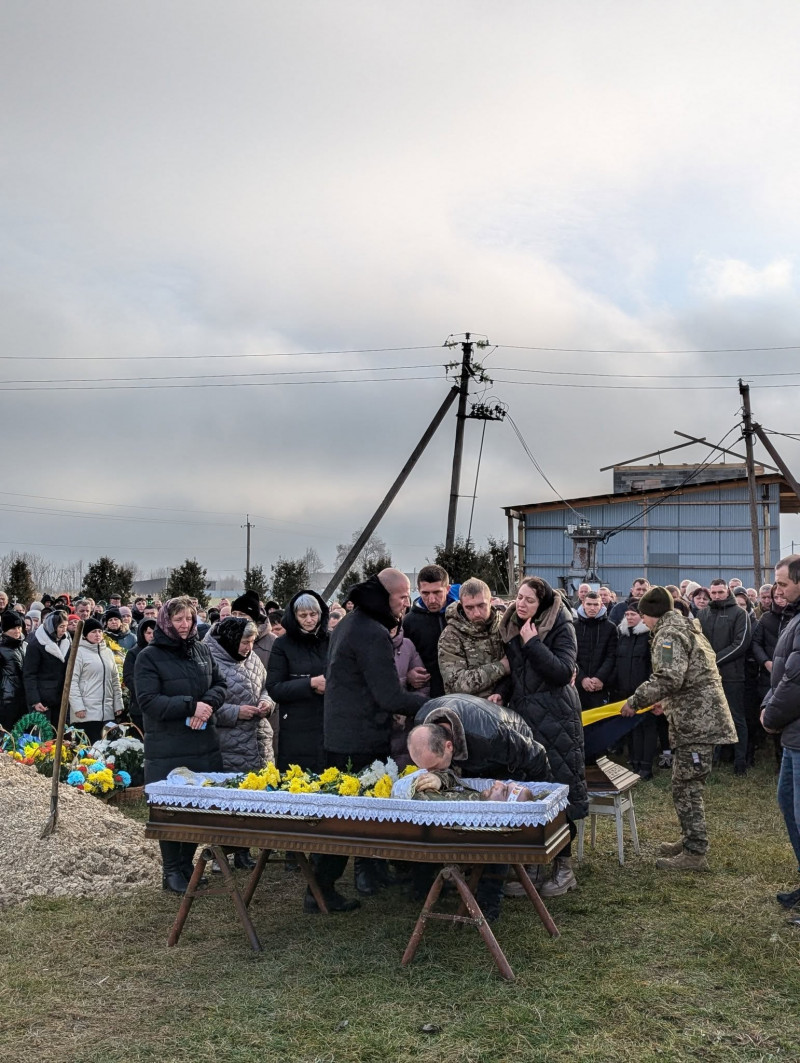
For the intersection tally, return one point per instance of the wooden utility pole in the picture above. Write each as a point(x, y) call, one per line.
point(248, 525)
point(782, 466)
point(747, 432)
point(458, 449)
point(374, 520)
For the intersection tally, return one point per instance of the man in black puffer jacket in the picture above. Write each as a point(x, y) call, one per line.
point(362, 694)
point(597, 650)
point(727, 628)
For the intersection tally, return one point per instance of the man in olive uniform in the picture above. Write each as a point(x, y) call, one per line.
point(472, 657)
point(687, 685)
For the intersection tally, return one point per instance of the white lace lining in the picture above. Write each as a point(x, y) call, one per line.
point(388, 809)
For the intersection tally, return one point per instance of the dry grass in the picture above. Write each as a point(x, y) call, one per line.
point(649, 966)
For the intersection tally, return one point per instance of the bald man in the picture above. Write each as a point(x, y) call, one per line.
point(362, 693)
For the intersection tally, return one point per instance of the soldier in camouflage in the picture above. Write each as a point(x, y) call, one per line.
point(472, 657)
point(687, 686)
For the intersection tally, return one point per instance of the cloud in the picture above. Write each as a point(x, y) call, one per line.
point(732, 278)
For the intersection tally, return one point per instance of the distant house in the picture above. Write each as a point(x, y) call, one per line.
point(659, 524)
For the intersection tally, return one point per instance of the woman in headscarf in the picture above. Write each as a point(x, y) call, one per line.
point(95, 695)
point(542, 651)
point(296, 681)
point(45, 666)
point(245, 736)
point(179, 689)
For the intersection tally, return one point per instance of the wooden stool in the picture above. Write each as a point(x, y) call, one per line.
point(610, 787)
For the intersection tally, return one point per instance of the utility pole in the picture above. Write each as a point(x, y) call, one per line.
point(747, 432)
point(248, 525)
point(468, 370)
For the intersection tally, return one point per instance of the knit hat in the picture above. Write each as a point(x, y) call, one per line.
point(91, 625)
point(691, 587)
point(111, 612)
point(9, 619)
point(655, 602)
point(248, 603)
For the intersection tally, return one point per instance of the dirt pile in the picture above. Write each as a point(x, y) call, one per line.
point(94, 851)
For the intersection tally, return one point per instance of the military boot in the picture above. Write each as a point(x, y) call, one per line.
point(684, 861)
point(671, 848)
point(562, 880)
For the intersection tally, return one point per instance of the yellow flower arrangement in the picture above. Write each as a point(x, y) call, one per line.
point(349, 786)
point(253, 781)
point(272, 775)
point(101, 780)
point(294, 771)
point(408, 770)
point(383, 787)
point(329, 775)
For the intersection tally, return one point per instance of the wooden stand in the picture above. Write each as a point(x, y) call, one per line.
point(610, 786)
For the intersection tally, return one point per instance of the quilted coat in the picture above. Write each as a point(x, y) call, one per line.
point(246, 745)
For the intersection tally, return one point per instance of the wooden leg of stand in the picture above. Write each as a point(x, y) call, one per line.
point(188, 899)
point(255, 876)
point(484, 929)
point(474, 879)
point(419, 927)
point(538, 903)
point(236, 897)
point(311, 881)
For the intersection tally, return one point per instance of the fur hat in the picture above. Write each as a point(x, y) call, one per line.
point(10, 620)
point(656, 602)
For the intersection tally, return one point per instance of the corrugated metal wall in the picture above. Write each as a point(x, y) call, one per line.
point(699, 536)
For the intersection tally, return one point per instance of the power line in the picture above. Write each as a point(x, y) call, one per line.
point(537, 466)
point(195, 357)
point(638, 376)
point(633, 387)
point(220, 384)
point(589, 350)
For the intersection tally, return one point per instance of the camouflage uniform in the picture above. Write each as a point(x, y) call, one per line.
point(686, 681)
point(470, 654)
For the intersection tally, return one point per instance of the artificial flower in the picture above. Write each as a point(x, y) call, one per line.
point(349, 786)
point(329, 775)
point(383, 787)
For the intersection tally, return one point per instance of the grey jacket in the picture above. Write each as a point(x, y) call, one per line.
point(246, 745)
point(95, 687)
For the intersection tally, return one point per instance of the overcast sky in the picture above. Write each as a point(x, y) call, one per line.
point(184, 184)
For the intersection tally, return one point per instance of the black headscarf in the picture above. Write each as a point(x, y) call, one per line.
point(229, 634)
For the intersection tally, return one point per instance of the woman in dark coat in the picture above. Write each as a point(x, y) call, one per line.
point(634, 666)
point(296, 681)
point(144, 636)
point(542, 651)
point(12, 656)
point(178, 689)
point(45, 666)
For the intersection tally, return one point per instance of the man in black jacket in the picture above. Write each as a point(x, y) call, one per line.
point(727, 628)
point(426, 621)
point(362, 694)
point(480, 740)
point(781, 710)
point(597, 651)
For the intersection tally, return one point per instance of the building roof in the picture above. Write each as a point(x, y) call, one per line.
point(789, 502)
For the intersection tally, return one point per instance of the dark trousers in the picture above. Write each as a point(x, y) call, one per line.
point(328, 868)
point(734, 694)
point(178, 856)
point(644, 743)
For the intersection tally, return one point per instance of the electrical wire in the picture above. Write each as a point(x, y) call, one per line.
point(640, 376)
point(225, 376)
point(55, 386)
point(614, 350)
point(475, 486)
point(695, 472)
point(179, 357)
point(538, 467)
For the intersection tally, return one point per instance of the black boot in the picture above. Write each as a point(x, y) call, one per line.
point(243, 859)
point(173, 879)
point(334, 901)
point(366, 883)
point(789, 900)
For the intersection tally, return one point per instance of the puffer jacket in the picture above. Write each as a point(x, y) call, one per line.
point(424, 629)
point(489, 741)
point(95, 687)
point(470, 654)
point(12, 689)
point(363, 689)
point(45, 669)
point(295, 659)
point(597, 652)
point(727, 628)
point(246, 745)
point(544, 695)
point(172, 675)
point(633, 664)
point(781, 706)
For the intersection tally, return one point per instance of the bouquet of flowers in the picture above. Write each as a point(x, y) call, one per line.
point(97, 777)
point(374, 781)
point(124, 754)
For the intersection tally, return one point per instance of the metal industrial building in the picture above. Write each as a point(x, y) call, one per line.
point(664, 522)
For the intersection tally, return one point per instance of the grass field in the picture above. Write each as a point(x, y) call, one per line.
point(649, 966)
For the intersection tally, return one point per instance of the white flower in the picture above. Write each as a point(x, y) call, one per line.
point(377, 769)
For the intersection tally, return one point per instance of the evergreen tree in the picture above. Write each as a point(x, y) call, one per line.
point(351, 578)
point(256, 580)
point(465, 560)
point(288, 577)
point(189, 579)
point(20, 586)
point(104, 578)
point(376, 564)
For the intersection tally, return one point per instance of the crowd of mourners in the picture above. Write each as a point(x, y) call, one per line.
point(457, 679)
